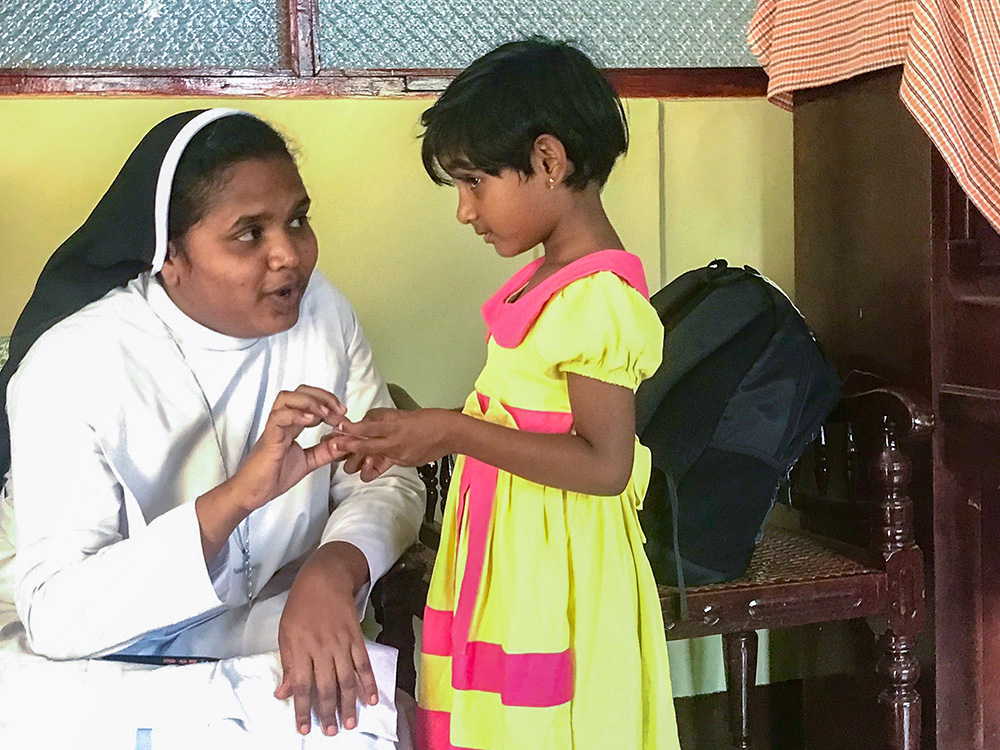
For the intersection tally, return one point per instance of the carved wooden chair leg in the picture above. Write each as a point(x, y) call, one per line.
point(899, 669)
point(395, 607)
point(741, 676)
point(898, 666)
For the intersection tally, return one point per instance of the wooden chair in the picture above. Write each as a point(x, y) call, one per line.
point(796, 577)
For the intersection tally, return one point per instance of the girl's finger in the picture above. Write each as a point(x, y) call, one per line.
point(382, 465)
point(327, 447)
point(377, 447)
point(364, 428)
point(367, 446)
point(353, 463)
point(374, 467)
point(381, 414)
point(349, 444)
point(368, 472)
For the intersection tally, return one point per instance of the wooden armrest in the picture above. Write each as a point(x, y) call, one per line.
point(865, 394)
point(398, 597)
point(401, 398)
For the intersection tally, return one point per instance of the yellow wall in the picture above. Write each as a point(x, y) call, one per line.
point(727, 186)
point(702, 179)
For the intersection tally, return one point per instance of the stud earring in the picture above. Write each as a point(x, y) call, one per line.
point(552, 183)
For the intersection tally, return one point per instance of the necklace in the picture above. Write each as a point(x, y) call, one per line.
point(243, 529)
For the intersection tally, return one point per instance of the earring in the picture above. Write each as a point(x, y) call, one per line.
point(552, 183)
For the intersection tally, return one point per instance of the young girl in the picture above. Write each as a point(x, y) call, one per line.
point(543, 626)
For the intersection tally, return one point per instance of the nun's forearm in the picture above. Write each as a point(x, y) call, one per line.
point(219, 513)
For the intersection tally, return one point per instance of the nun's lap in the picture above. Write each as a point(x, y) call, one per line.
point(237, 739)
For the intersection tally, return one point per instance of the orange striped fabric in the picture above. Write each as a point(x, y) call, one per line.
point(951, 84)
point(807, 43)
point(950, 52)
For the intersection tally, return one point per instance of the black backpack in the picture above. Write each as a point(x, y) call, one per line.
point(743, 389)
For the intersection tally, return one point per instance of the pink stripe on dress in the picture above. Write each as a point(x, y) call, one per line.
point(434, 730)
point(476, 493)
point(535, 680)
point(531, 679)
point(436, 632)
point(478, 487)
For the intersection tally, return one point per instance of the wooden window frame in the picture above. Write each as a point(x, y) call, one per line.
point(300, 74)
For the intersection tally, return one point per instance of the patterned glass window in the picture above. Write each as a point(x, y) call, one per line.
point(126, 34)
point(616, 33)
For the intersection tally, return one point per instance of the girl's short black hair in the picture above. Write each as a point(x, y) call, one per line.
point(490, 115)
point(203, 168)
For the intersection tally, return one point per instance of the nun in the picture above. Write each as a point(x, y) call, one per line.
point(169, 493)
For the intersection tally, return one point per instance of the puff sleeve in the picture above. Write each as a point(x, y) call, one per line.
point(601, 328)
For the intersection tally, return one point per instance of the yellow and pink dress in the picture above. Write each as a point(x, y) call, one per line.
point(543, 628)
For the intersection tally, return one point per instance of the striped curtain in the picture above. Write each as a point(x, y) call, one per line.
point(950, 52)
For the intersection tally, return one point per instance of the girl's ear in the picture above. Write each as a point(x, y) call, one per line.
point(549, 160)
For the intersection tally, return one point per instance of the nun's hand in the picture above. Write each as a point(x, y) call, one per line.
point(324, 661)
point(276, 463)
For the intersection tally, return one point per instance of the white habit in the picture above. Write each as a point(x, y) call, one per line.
point(112, 443)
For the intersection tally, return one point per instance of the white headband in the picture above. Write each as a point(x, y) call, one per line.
point(165, 181)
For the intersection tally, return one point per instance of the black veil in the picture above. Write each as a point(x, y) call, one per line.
point(124, 236)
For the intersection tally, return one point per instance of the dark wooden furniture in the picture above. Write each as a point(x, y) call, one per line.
point(795, 577)
point(306, 82)
point(801, 578)
point(899, 274)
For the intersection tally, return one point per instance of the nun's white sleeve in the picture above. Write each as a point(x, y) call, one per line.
point(80, 588)
point(382, 517)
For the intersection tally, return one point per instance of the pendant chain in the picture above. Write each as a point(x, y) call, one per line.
point(243, 529)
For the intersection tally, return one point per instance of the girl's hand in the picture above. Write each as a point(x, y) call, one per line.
point(392, 436)
point(276, 463)
point(370, 466)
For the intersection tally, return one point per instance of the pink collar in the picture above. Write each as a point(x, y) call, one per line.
point(509, 322)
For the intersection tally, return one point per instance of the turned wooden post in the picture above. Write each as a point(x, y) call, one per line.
point(428, 474)
point(400, 594)
point(430, 531)
point(898, 667)
point(741, 676)
point(397, 599)
point(821, 470)
point(851, 464)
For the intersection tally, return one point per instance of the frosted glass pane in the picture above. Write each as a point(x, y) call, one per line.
point(144, 33)
point(616, 33)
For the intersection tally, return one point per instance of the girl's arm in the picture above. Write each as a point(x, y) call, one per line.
point(596, 460)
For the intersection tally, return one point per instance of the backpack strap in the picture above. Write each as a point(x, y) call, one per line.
point(678, 564)
point(509, 322)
